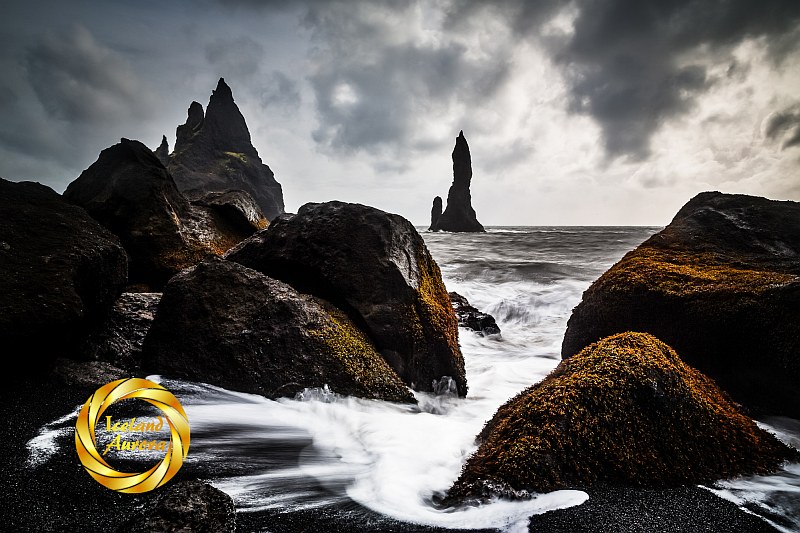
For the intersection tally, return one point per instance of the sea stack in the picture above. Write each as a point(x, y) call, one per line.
point(459, 214)
point(214, 153)
point(162, 152)
point(436, 212)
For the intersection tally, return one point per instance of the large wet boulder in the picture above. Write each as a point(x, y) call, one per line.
point(233, 207)
point(625, 411)
point(60, 272)
point(459, 214)
point(222, 323)
point(213, 153)
point(85, 374)
point(185, 507)
point(118, 340)
point(130, 192)
point(375, 267)
point(721, 284)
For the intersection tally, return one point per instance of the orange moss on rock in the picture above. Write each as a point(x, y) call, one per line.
point(348, 345)
point(682, 273)
point(435, 311)
point(624, 411)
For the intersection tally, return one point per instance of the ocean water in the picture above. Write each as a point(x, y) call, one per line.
point(321, 450)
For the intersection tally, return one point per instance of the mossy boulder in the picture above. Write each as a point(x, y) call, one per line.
point(625, 411)
point(130, 192)
point(721, 284)
point(60, 272)
point(375, 267)
point(224, 324)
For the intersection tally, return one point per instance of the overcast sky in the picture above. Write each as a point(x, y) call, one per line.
point(583, 112)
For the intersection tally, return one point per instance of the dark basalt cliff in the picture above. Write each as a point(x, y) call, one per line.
point(720, 284)
point(459, 214)
point(214, 153)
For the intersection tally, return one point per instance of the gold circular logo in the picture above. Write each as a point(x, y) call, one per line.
point(176, 449)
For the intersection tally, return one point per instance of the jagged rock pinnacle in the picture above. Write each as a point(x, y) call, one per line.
point(162, 152)
point(214, 153)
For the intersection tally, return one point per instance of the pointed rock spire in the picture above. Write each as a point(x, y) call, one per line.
point(225, 122)
point(436, 212)
point(162, 152)
point(214, 153)
point(194, 121)
point(459, 214)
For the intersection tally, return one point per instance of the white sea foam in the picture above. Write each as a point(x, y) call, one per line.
point(44, 445)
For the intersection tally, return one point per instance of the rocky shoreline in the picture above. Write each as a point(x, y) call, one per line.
point(59, 496)
point(348, 297)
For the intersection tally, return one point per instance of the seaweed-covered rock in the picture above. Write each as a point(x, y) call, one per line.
point(222, 323)
point(130, 192)
point(60, 272)
point(471, 318)
point(213, 152)
point(720, 284)
point(459, 214)
point(624, 411)
point(375, 267)
point(185, 507)
point(119, 339)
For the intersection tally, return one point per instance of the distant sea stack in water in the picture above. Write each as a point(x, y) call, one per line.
point(459, 214)
point(214, 153)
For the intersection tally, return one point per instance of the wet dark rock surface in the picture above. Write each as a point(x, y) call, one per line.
point(375, 267)
point(472, 318)
point(130, 192)
point(228, 325)
point(186, 506)
point(119, 339)
point(721, 285)
point(60, 272)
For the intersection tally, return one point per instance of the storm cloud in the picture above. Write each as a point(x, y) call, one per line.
point(79, 80)
point(240, 57)
point(377, 72)
point(784, 126)
point(630, 65)
point(573, 109)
